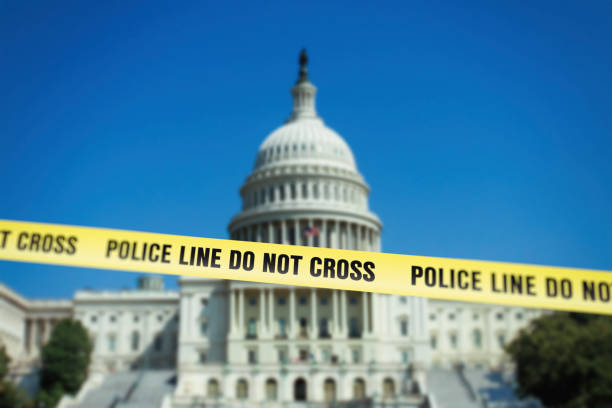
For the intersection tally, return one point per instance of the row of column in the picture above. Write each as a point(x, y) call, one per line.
point(302, 191)
point(266, 322)
point(331, 234)
point(37, 333)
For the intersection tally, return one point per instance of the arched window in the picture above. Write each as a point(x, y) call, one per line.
point(388, 388)
point(135, 341)
point(271, 194)
point(299, 390)
point(242, 389)
point(281, 189)
point(359, 389)
point(329, 390)
point(477, 335)
point(212, 390)
point(271, 389)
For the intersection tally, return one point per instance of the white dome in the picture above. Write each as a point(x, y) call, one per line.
point(307, 141)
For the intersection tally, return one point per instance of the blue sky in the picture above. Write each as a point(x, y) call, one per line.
point(484, 128)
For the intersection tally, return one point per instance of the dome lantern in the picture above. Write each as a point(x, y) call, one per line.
point(303, 94)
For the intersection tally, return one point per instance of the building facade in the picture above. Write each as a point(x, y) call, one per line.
point(233, 342)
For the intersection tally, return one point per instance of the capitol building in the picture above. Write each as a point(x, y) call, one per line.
point(230, 343)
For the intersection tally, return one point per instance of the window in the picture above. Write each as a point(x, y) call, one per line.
point(405, 357)
point(353, 300)
point(158, 344)
point(388, 388)
point(242, 389)
point(476, 316)
point(113, 319)
point(451, 316)
point(94, 319)
point(252, 357)
point(359, 389)
point(324, 328)
point(353, 327)
point(293, 191)
point(403, 300)
point(477, 335)
point(453, 340)
point(356, 354)
point(500, 316)
point(252, 301)
point(303, 356)
point(501, 339)
point(323, 301)
point(404, 327)
point(271, 389)
point(281, 301)
point(203, 328)
point(160, 318)
point(519, 316)
point(136, 319)
point(213, 389)
point(112, 342)
point(202, 357)
point(271, 192)
point(303, 301)
point(304, 191)
point(282, 355)
point(252, 329)
point(433, 342)
point(432, 317)
point(135, 341)
point(282, 327)
point(281, 190)
point(325, 355)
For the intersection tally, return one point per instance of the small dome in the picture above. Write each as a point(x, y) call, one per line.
point(308, 141)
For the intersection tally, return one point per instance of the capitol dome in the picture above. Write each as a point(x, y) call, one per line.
point(305, 179)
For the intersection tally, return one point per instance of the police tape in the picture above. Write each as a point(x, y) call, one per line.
point(534, 286)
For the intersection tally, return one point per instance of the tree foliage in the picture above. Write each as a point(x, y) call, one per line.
point(565, 360)
point(65, 359)
point(10, 395)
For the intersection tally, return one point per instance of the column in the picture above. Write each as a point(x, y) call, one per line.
point(271, 232)
point(271, 312)
point(232, 312)
point(241, 312)
point(336, 323)
point(292, 322)
point(313, 313)
point(366, 317)
point(344, 304)
point(190, 316)
point(262, 314)
point(336, 235)
point(298, 237)
point(360, 245)
point(258, 235)
point(283, 225)
point(324, 238)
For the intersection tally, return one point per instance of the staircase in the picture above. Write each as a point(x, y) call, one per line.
point(448, 390)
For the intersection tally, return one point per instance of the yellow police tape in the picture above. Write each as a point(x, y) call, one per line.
point(442, 278)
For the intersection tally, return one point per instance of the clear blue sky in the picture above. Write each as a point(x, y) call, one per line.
point(484, 129)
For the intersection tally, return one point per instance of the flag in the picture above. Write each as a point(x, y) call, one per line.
point(311, 232)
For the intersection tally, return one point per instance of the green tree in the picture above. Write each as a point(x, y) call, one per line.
point(565, 360)
point(65, 359)
point(10, 395)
